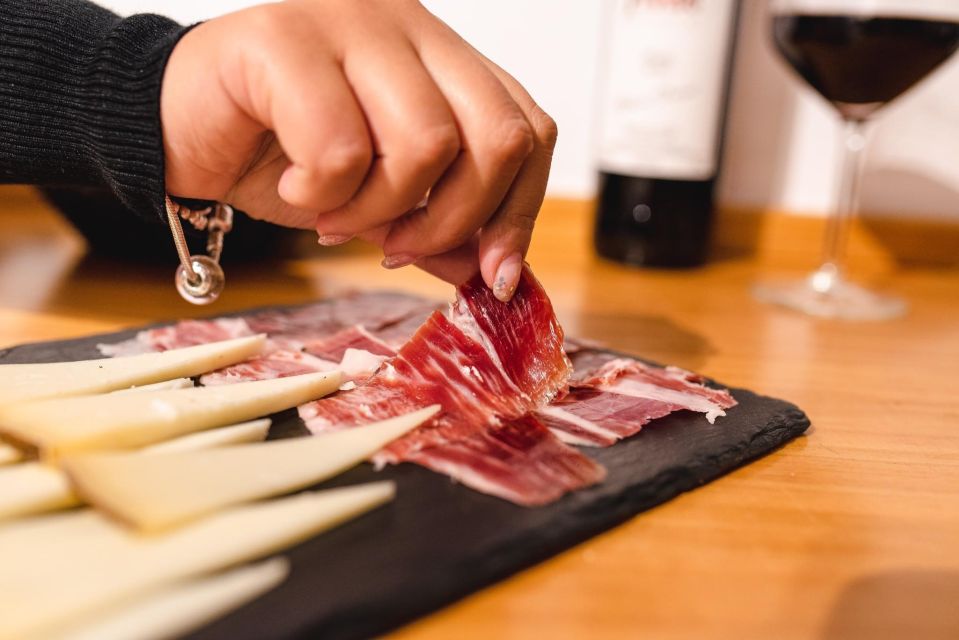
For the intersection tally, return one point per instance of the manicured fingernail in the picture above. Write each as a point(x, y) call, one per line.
point(507, 277)
point(333, 239)
point(398, 260)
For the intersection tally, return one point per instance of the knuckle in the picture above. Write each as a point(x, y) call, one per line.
point(435, 146)
point(545, 126)
point(346, 160)
point(447, 235)
point(514, 142)
point(523, 219)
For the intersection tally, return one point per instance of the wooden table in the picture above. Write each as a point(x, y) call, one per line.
point(849, 532)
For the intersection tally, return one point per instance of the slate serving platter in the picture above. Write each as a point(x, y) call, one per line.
point(439, 541)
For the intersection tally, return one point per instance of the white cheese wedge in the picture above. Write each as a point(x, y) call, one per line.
point(156, 492)
point(9, 454)
point(177, 610)
point(59, 568)
point(31, 487)
point(176, 383)
point(21, 382)
point(128, 420)
point(253, 431)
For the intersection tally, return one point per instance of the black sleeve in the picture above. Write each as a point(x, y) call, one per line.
point(80, 96)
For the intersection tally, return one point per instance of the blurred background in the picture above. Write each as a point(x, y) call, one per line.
point(781, 151)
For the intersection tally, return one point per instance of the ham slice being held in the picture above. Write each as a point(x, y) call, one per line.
point(488, 367)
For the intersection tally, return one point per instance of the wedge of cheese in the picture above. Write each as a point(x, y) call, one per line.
point(31, 487)
point(160, 491)
point(253, 431)
point(176, 383)
point(174, 611)
point(21, 382)
point(127, 420)
point(58, 569)
point(9, 454)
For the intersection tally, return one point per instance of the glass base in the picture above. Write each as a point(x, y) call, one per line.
point(827, 294)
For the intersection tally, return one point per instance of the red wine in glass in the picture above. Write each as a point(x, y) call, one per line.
point(858, 63)
point(859, 58)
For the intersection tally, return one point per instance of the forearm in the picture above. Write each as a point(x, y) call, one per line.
point(79, 98)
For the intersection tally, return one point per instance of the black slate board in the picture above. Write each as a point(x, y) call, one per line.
point(439, 541)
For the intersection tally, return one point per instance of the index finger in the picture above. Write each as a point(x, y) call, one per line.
point(506, 237)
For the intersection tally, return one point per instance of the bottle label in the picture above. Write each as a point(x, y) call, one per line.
point(664, 85)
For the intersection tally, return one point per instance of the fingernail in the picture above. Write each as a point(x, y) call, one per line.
point(398, 260)
point(333, 239)
point(507, 277)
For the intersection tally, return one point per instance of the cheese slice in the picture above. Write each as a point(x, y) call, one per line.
point(128, 420)
point(59, 568)
point(253, 431)
point(21, 382)
point(156, 492)
point(174, 611)
point(9, 454)
point(176, 383)
point(31, 487)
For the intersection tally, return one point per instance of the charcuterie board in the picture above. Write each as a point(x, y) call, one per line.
point(439, 541)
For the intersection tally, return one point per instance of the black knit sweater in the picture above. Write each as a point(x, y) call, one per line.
point(79, 98)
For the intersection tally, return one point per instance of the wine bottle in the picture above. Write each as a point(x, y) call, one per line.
point(664, 101)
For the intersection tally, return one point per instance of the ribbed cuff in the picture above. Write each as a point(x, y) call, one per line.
point(126, 141)
point(79, 98)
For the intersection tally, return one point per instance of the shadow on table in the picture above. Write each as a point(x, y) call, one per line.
point(891, 198)
point(908, 216)
point(108, 287)
point(897, 604)
point(653, 337)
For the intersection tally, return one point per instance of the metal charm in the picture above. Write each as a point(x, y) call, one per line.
point(200, 279)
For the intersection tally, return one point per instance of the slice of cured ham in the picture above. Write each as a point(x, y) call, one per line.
point(276, 364)
point(519, 460)
point(613, 398)
point(372, 325)
point(185, 333)
point(373, 310)
point(524, 336)
point(440, 365)
point(488, 368)
point(354, 337)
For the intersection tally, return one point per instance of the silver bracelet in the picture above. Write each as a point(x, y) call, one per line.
point(200, 279)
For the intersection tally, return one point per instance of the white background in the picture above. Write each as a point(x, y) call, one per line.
point(781, 138)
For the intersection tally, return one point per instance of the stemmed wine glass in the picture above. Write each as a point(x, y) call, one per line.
point(859, 55)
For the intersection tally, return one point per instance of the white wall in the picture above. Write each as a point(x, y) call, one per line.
point(781, 143)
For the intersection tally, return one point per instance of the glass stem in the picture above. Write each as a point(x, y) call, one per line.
point(837, 224)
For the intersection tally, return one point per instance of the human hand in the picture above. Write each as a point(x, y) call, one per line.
point(344, 116)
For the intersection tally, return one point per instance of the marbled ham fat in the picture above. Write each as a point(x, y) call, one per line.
point(275, 364)
point(354, 337)
point(525, 335)
point(439, 365)
point(613, 398)
point(485, 437)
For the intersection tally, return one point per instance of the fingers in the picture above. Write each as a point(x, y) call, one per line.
point(376, 106)
point(304, 98)
point(415, 133)
point(496, 139)
point(506, 237)
point(455, 266)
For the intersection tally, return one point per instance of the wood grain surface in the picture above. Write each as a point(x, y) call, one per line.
point(849, 532)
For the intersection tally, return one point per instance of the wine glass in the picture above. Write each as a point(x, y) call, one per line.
point(859, 55)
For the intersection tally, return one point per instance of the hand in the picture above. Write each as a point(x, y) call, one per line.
point(360, 118)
